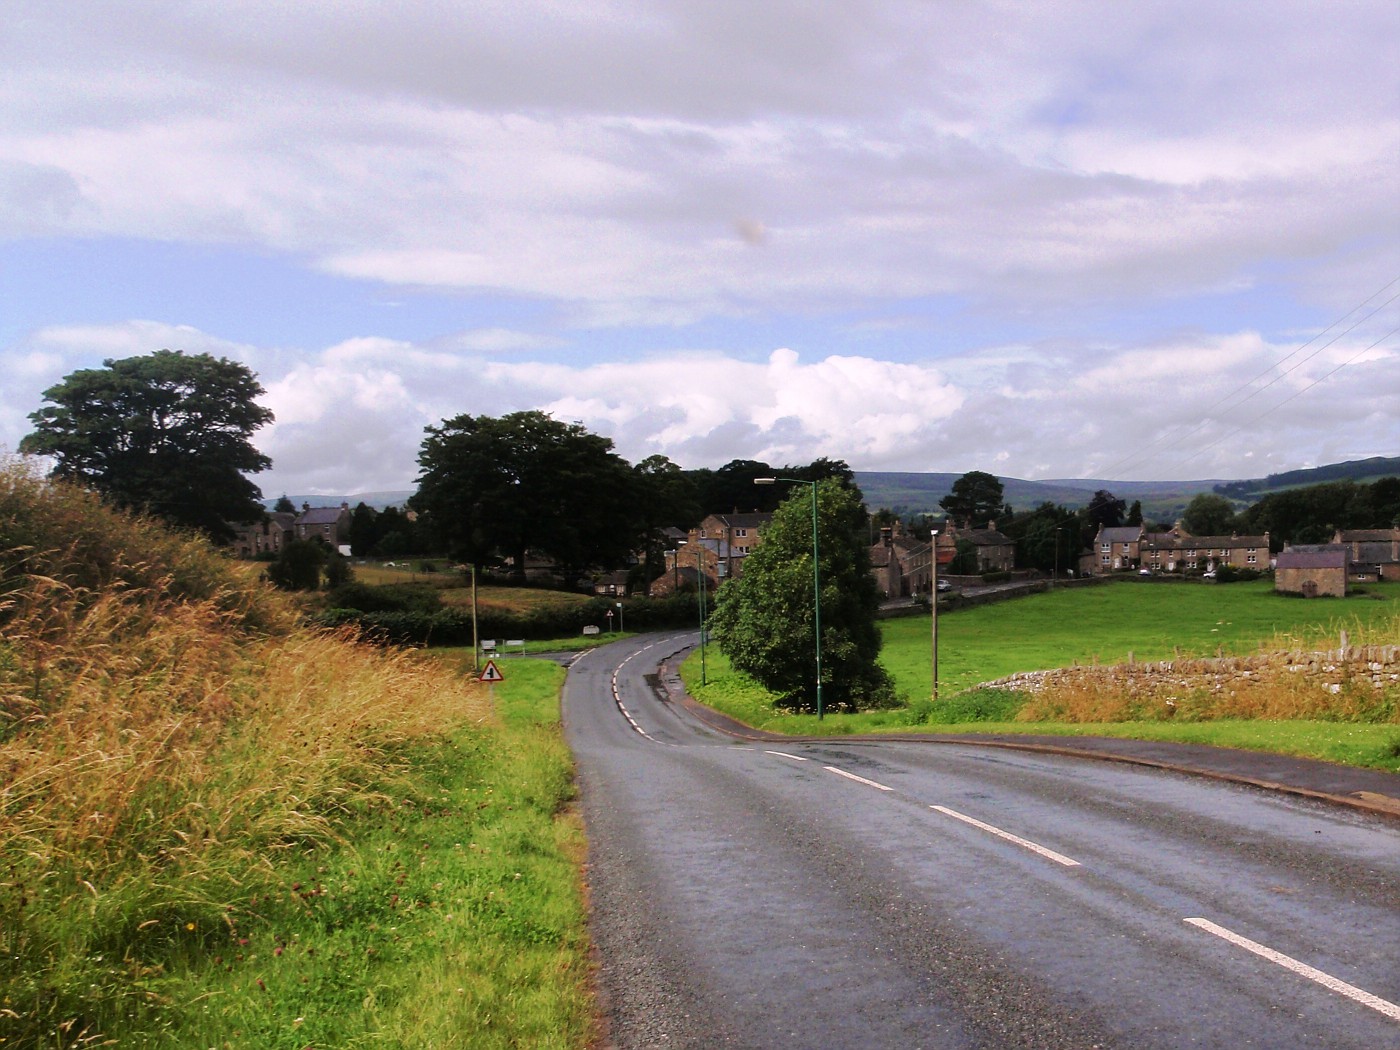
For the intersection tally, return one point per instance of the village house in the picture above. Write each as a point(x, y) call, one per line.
point(1374, 553)
point(266, 537)
point(996, 552)
point(901, 563)
point(1118, 547)
point(715, 550)
point(1313, 571)
point(1126, 547)
point(330, 525)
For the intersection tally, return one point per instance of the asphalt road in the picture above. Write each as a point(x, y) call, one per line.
point(861, 893)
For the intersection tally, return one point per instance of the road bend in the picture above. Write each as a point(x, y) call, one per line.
point(861, 893)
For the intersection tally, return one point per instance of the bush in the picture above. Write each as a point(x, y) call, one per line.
point(977, 705)
point(1000, 576)
point(412, 616)
point(1235, 574)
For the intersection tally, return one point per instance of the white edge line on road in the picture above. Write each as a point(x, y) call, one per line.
point(858, 780)
point(1058, 858)
point(1375, 1002)
point(784, 754)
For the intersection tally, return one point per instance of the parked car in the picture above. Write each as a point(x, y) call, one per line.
point(1144, 572)
point(1209, 574)
point(944, 585)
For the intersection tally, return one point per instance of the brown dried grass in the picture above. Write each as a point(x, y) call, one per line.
point(1276, 684)
point(166, 730)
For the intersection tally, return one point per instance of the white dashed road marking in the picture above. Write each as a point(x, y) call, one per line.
point(1375, 1002)
point(858, 780)
point(1058, 858)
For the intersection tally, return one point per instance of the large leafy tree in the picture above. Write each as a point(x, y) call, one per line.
point(1107, 511)
point(526, 482)
point(974, 499)
point(168, 433)
point(1047, 538)
point(666, 496)
point(764, 620)
point(1209, 515)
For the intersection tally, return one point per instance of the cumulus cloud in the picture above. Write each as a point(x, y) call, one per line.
point(351, 416)
point(673, 189)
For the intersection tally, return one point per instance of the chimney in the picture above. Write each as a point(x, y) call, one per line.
point(886, 535)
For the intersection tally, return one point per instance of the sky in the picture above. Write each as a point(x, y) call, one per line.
point(1146, 241)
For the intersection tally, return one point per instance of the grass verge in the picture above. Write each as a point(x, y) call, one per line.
point(219, 829)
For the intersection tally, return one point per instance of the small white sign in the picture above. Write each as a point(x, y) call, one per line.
point(590, 629)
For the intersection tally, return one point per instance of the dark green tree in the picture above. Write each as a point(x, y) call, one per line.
point(168, 434)
point(1047, 538)
point(284, 505)
point(975, 499)
point(526, 482)
point(1106, 510)
point(666, 496)
point(364, 530)
point(731, 488)
point(964, 561)
point(1385, 503)
point(298, 565)
point(764, 620)
point(1135, 513)
point(1209, 515)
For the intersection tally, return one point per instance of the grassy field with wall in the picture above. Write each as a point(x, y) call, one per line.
point(1105, 625)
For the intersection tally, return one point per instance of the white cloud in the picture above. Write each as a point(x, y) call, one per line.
point(1072, 174)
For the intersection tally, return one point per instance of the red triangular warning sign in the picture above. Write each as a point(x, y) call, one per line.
point(491, 673)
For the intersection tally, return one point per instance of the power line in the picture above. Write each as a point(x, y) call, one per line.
point(1176, 438)
point(1294, 396)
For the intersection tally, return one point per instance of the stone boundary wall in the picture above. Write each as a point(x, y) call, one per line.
point(1377, 664)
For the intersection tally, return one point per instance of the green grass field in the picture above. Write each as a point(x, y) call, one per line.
point(1103, 624)
point(1099, 624)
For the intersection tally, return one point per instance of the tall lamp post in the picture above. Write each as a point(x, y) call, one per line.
point(816, 578)
point(933, 605)
point(700, 583)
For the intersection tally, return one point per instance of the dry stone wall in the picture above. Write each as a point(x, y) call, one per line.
point(1330, 671)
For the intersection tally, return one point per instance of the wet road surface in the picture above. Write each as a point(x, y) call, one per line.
point(865, 893)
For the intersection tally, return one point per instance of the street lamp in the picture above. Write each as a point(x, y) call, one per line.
point(675, 571)
point(700, 583)
point(816, 578)
point(933, 604)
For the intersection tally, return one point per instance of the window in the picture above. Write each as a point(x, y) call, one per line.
point(1251, 559)
point(1106, 548)
point(741, 532)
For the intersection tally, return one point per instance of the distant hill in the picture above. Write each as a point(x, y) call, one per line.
point(1359, 470)
point(911, 493)
point(376, 500)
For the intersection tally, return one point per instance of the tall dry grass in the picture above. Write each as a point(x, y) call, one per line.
point(1329, 675)
point(166, 732)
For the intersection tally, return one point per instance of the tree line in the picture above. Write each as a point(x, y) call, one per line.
point(170, 434)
